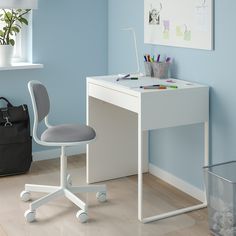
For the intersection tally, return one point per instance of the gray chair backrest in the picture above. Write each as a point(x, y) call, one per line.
point(41, 100)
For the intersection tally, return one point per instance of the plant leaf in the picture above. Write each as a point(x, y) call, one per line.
point(23, 21)
point(7, 16)
point(15, 29)
point(12, 42)
point(19, 26)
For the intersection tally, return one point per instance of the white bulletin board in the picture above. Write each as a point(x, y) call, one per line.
point(180, 23)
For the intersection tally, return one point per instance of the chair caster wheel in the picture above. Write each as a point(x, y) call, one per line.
point(30, 216)
point(69, 180)
point(25, 196)
point(82, 216)
point(101, 196)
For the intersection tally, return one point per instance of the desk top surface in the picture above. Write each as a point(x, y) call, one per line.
point(110, 81)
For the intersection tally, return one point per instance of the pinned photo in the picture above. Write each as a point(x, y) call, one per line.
point(154, 15)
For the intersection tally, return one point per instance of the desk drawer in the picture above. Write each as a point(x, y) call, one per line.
point(114, 97)
point(173, 108)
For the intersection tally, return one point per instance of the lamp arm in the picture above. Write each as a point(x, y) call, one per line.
point(136, 50)
point(135, 46)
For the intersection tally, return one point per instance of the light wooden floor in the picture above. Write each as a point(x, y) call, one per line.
point(116, 217)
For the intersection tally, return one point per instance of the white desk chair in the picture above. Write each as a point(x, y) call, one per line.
point(63, 136)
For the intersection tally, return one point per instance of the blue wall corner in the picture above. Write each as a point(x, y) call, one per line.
point(180, 150)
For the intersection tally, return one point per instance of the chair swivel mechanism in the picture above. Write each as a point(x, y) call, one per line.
point(58, 136)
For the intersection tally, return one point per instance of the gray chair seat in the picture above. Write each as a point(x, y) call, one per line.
point(68, 133)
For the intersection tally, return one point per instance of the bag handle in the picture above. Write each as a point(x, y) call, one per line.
point(8, 103)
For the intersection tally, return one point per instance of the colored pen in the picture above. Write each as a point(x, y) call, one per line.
point(124, 77)
point(155, 86)
point(145, 58)
point(158, 57)
point(150, 86)
point(130, 78)
point(170, 81)
point(171, 86)
point(168, 59)
point(159, 86)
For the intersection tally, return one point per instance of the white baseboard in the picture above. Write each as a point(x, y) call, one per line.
point(55, 153)
point(176, 182)
point(154, 170)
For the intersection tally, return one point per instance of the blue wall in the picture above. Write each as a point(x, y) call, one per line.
point(70, 39)
point(180, 150)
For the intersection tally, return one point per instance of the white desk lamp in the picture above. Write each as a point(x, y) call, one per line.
point(135, 47)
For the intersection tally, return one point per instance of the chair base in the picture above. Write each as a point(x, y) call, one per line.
point(54, 192)
point(65, 189)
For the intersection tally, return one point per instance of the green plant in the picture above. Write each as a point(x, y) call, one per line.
point(11, 22)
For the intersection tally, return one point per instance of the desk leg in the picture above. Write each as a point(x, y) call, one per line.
point(206, 143)
point(206, 151)
point(140, 181)
point(140, 172)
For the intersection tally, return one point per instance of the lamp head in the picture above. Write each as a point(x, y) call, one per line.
point(127, 29)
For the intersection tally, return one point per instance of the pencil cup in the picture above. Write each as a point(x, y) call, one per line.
point(161, 69)
point(148, 69)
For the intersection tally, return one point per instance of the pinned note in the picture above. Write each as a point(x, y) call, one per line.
point(166, 32)
point(179, 32)
point(187, 35)
point(201, 18)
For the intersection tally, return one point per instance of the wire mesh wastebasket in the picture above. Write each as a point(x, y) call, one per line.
point(220, 183)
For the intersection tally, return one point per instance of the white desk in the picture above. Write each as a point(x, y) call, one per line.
point(122, 114)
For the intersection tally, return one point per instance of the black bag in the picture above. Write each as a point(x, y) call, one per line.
point(15, 139)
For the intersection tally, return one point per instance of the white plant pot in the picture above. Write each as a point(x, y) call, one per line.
point(6, 53)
